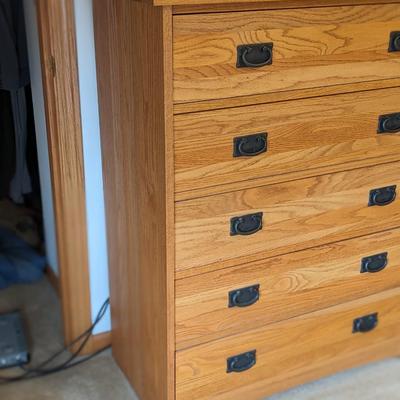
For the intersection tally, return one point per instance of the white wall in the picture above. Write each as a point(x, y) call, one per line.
point(41, 133)
point(98, 267)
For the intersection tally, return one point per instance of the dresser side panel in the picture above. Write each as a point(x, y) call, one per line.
point(134, 50)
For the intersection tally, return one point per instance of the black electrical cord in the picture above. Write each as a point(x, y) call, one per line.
point(39, 370)
point(85, 336)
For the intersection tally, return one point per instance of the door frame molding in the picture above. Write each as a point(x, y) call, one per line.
point(58, 53)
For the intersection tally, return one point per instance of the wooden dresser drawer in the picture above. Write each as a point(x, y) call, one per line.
point(290, 352)
point(215, 231)
point(288, 139)
point(312, 47)
point(241, 298)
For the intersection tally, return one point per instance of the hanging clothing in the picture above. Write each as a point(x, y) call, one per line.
point(14, 76)
point(14, 67)
point(21, 182)
point(7, 143)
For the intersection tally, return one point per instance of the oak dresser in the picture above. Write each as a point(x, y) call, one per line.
point(251, 164)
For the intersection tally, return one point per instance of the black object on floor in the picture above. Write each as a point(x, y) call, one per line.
point(13, 345)
point(43, 368)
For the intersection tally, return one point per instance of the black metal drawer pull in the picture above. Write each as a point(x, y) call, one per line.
point(254, 55)
point(244, 297)
point(382, 196)
point(241, 362)
point(389, 123)
point(374, 263)
point(251, 145)
point(394, 43)
point(366, 323)
point(246, 224)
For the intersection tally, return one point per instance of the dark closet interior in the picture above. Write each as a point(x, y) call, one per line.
point(22, 258)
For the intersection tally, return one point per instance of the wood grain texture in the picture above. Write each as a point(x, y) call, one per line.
point(101, 340)
point(207, 6)
point(264, 98)
point(305, 138)
point(290, 285)
point(297, 215)
point(133, 47)
point(313, 47)
point(291, 352)
point(56, 26)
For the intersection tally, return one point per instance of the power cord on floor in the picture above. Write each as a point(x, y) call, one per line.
point(40, 370)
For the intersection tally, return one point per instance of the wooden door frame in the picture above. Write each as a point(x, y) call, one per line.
point(57, 42)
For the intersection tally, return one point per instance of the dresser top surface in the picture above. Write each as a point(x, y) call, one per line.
point(270, 3)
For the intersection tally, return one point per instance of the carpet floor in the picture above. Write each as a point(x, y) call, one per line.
point(100, 378)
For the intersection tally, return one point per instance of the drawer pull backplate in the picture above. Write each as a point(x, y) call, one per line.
point(246, 224)
point(366, 323)
point(241, 362)
point(254, 55)
point(389, 123)
point(244, 297)
point(382, 196)
point(251, 145)
point(374, 263)
point(394, 43)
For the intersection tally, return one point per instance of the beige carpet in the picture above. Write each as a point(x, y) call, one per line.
point(100, 378)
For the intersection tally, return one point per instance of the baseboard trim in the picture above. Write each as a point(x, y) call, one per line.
point(101, 340)
point(97, 342)
point(53, 279)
